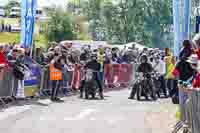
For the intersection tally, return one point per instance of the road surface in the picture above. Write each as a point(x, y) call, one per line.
point(115, 114)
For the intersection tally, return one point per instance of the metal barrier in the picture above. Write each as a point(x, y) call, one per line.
point(190, 109)
point(6, 85)
point(45, 83)
point(120, 74)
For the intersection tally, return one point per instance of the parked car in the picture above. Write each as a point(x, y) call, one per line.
point(15, 28)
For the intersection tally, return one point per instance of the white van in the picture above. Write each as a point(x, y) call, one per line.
point(15, 12)
point(2, 12)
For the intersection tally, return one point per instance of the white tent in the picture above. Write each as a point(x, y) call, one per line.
point(78, 44)
point(137, 45)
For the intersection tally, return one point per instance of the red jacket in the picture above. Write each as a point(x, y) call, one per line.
point(196, 81)
point(198, 53)
point(3, 59)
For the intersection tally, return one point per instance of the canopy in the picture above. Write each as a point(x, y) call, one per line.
point(78, 44)
point(137, 45)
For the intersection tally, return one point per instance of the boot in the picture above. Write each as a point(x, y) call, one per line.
point(101, 95)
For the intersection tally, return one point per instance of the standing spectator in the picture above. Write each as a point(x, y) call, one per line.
point(39, 58)
point(183, 71)
point(170, 63)
point(186, 50)
point(160, 67)
point(55, 76)
point(107, 69)
point(100, 58)
point(19, 73)
point(3, 62)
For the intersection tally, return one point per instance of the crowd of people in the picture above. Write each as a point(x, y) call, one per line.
point(62, 58)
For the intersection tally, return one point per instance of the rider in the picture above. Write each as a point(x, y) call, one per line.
point(146, 68)
point(96, 67)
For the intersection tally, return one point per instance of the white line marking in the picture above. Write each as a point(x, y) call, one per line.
point(80, 116)
point(47, 101)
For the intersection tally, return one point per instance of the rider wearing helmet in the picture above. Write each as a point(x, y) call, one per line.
point(96, 67)
point(146, 68)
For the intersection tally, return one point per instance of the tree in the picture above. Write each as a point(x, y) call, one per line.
point(158, 15)
point(128, 20)
point(10, 4)
point(125, 20)
point(59, 26)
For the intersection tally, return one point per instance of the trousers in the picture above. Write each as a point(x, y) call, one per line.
point(55, 88)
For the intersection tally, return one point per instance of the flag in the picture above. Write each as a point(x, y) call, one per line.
point(186, 19)
point(28, 12)
point(197, 24)
point(176, 21)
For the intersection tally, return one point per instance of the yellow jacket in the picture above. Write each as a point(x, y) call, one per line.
point(169, 71)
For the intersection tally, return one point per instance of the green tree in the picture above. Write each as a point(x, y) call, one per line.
point(10, 4)
point(158, 15)
point(129, 20)
point(59, 26)
point(125, 20)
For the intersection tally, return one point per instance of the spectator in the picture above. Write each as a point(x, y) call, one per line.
point(40, 59)
point(186, 50)
point(183, 71)
point(160, 67)
point(170, 63)
point(19, 73)
point(12, 56)
point(55, 76)
point(3, 62)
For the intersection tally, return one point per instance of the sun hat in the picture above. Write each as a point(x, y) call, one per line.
point(193, 59)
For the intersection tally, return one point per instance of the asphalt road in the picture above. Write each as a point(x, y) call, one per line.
point(115, 114)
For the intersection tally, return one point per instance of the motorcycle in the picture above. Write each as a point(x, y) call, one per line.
point(156, 83)
point(90, 86)
point(134, 86)
point(145, 89)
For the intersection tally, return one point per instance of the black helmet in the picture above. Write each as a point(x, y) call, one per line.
point(144, 57)
point(93, 55)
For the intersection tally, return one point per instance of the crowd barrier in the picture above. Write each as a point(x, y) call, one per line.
point(37, 79)
point(119, 75)
point(6, 84)
point(190, 108)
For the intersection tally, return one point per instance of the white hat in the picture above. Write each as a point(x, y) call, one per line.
point(193, 59)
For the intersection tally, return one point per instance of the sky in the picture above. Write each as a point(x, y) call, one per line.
point(43, 2)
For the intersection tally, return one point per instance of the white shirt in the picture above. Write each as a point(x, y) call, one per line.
point(160, 67)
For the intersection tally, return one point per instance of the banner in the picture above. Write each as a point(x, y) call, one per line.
point(28, 12)
point(197, 24)
point(32, 76)
point(176, 21)
point(186, 20)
